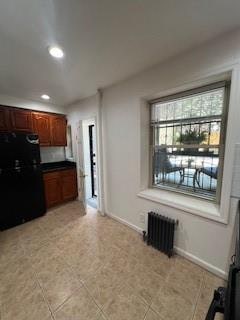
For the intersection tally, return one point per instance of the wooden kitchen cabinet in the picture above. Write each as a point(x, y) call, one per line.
point(60, 186)
point(58, 130)
point(21, 120)
point(42, 127)
point(4, 118)
point(51, 128)
point(69, 184)
point(53, 192)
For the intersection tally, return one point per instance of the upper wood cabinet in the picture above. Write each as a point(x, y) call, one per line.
point(4, 118)
point(21, 120)
point(59, 130)
point(51, 128)
point(42, 126)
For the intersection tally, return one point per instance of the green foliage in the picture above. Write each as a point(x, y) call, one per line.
point(192, 137)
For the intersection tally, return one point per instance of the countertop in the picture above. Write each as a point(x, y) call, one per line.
point(56, 166)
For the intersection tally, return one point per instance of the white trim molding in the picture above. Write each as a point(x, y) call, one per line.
point(126, 223)
point(218, 212)
point(205, 265)
point(189, 256)
point(186, 203)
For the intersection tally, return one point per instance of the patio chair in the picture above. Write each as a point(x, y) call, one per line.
point(210, 171)
point(162, 165)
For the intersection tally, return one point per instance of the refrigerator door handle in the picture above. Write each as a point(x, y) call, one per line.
point(32, 141)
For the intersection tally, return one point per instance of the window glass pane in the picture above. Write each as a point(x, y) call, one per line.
point(187, 138)
point(199, 105)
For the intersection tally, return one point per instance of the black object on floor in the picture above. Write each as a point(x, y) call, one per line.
point(21, 182)
point(226, 300)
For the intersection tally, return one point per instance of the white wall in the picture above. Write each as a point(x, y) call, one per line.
point(52, 154)
point(202, 240)
point(81, 110)
point(124, 138)
point(84, 110)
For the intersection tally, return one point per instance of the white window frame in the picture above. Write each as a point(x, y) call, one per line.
point(183, 94)
point(219, 213)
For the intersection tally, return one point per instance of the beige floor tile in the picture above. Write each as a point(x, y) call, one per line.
point(85, 265)
point(153, 259)
point(10, 256)
point(170, 304)
point(17, 290)
point(151, 315)
point(210, 283)
point(188, 279)
point(57, 280)
point(121, 263)
point(14, 271)
point(76, 264)
point(146, 283)
point(101, 317)
point(102, 285)
point(125, 304)
point(9, 238)
point(41, 255)
point(24, 302)
point(79, 306)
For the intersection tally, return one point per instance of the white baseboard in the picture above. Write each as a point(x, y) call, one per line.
point(205, 265)
point(128, 224)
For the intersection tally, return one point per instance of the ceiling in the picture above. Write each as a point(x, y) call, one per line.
point(105, 41)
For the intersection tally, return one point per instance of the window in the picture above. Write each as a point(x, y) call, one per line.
point(187, 146)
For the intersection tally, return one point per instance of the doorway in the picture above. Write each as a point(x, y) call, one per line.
point(90, 162)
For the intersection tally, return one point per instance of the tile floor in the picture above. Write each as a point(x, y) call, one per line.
point(71, 266)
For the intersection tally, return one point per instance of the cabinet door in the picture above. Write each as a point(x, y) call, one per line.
point(4, 119)
point(21, 120)
point(53, 192)
point(59, 130)
point(41, 125)
point(69, 184)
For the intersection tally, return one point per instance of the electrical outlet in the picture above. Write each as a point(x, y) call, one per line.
point(142, 218)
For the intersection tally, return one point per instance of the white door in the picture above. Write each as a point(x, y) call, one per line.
point(80, 165)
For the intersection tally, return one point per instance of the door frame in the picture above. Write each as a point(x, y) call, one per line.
point(80, 162)
point(90, 136)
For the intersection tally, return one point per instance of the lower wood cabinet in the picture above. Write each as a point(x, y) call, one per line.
point(69, 184)
point(60, 186)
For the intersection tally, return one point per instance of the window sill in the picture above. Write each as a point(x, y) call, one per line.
point(185, 203)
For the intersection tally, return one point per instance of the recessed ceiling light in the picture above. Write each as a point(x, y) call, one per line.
point(45, 97)
point(56, 52)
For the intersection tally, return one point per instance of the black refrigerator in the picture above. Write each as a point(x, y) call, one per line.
point(21, 182)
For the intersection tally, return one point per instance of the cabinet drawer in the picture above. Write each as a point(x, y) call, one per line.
point(51, 175)
point(67, 172)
